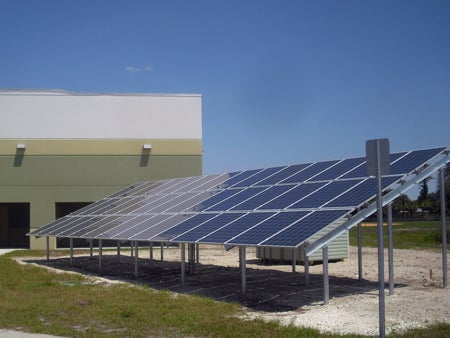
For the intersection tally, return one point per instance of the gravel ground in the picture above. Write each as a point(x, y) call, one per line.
point(275, 293)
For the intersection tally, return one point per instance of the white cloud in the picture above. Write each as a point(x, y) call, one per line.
point(134, 69)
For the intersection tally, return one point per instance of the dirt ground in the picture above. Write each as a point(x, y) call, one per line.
point(274, 292)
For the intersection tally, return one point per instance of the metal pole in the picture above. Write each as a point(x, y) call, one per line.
point(360, 270)
point(71, 251)
point(243, 269)
point(136, 259)
point(151, 254)
point(306, 266)
point(118, 251)
point(197, 256)
point(381, 304)
point(444, 229)
point(100, 254)
point(294, 259)
point(191, 258)
point(390, 250)
point(91, 248)
point(131, 249)
point(326, 282)
point(47, 247)
point(162, 251)
point(183, 267)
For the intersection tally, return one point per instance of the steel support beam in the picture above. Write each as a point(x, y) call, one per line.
point(118, 251)
point(100, 256)
point(197, 253)
point(151, 254)
point(91, 249)
point(326, 281)
point(71, 251)
point(294, 259)
point(136, 259)
point(360, 270)
point(444, 229)
point(242, 265)
point(390, 249)
point(47, 247)
point(183, 262)
point(306, 269)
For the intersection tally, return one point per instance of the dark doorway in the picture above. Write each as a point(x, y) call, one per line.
point(14, 225)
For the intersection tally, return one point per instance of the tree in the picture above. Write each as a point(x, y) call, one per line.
point(422, 199)
point(403, 206)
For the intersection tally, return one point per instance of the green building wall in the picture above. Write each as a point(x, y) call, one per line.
point(47, 172)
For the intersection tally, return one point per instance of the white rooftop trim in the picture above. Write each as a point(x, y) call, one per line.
point(56, 92)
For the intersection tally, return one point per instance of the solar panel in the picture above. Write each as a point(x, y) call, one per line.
point(309, 172)
point(268, 227)
point(263, 174)
point(304, 228)
point(325, 194)
point(283, 174)
point(263, 197)
point(227, 232)
point(278, 206)
point(236, 199)
point(207, 227)
point(293, 195)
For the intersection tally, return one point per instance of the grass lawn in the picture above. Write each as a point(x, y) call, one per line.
point(36, 300)
point(407, 235)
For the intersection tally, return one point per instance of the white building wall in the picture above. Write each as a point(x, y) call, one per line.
point(90, 116)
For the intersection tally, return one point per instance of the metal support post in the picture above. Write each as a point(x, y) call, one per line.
point(151, 254)
point(162, 251)
point(390, 250)
point(91, 249)
point(100, 256)
point(294, 259)
point(71, 251)
point(360, 272)
point(306, 258)
point(131, 249)
point(136, 259)
point(191, 258)
point(197, 253)
point(183, 263)
point(47, 247)
point(381, 303)
point(118, 251)
point(326, 282)
point(444, 228)
point(242, 265)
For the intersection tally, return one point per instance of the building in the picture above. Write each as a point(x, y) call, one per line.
point(61, 150)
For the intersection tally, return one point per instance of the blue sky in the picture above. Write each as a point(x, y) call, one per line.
point(282, 81)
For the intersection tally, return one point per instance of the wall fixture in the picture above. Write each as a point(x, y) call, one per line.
point(147, 146)
point(21, 146)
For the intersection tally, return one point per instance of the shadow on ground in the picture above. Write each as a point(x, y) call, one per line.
point(268, 289)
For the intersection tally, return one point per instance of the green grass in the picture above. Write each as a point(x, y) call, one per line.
point(407, 235)
point(34, 299)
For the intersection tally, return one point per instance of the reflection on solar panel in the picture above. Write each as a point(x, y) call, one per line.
point(279, 206)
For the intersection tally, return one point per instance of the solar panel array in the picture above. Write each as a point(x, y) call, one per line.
point(279, 206)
